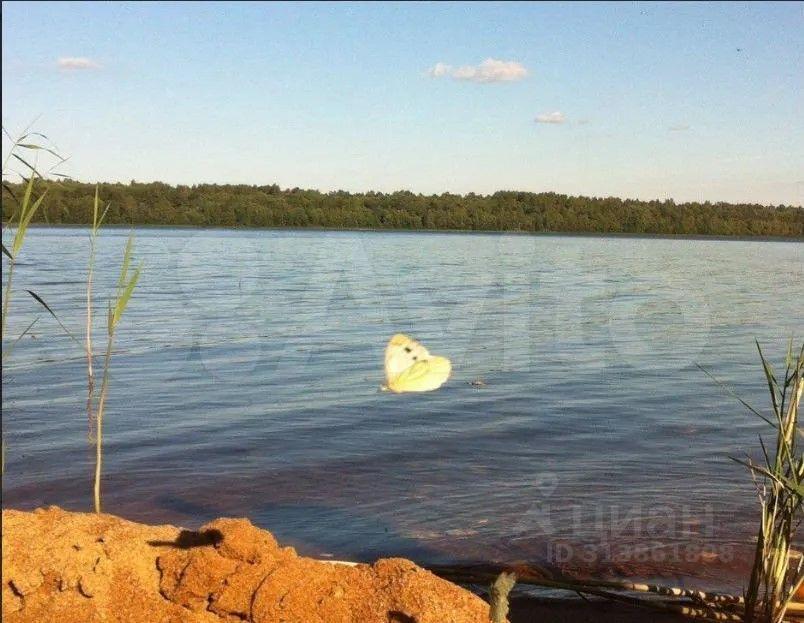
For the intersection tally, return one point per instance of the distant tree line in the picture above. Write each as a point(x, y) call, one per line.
point(213, 205)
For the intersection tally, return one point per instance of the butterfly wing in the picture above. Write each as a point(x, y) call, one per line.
point(423, 376)
point(401, 353)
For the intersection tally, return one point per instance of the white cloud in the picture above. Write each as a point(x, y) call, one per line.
point(440, 69)
point(551, 117)
point(490, 70)
point(681, 127)
point(76, 62)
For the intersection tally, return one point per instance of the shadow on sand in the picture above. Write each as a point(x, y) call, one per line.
point(188, 539)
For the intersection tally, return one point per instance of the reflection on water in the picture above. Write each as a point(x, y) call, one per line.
point(246, 376)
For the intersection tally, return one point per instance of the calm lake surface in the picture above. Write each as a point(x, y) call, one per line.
point(246, 373)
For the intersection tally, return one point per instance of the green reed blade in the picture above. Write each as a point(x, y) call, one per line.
point(126, 261)
point(42, 302)
point(10, 191)
point(7, 351)
point(26, 163)
point(125, 295)
point(773, 386)
point(733, 394)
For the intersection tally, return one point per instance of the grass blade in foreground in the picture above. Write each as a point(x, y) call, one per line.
point(773, 579)
point(125, 288)
point(27, 209)
point(97, 221)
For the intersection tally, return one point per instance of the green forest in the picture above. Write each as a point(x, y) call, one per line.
point(213, 205)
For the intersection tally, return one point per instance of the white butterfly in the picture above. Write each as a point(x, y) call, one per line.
point(409, 367)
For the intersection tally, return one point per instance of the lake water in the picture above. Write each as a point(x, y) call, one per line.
point(246, 373)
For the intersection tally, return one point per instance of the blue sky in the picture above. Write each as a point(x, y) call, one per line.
point(683, 101)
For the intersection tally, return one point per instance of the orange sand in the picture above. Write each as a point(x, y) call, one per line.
point(65, 567)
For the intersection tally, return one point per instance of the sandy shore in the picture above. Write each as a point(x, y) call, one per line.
point(66, 567)
point(80, 568)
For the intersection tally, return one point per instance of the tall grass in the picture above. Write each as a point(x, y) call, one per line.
point(126, 283)
point(26, 207)
point(780, 478)
point(97, 220)
point(24, 210)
